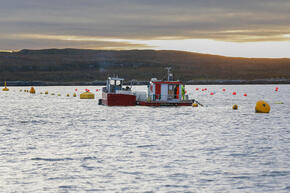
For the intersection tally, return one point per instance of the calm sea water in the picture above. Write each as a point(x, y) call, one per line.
point(53, 143)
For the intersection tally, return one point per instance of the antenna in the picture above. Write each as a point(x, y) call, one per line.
point(168, 73)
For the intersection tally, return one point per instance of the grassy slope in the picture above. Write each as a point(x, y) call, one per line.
point(64, 65)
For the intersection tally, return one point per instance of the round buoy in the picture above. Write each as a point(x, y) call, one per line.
point(74, 95)
point(196, 88)
point(234, 93)
point(235, 107)
point(32, 90)
point(20, 90)
point(211, 93)
point(276, 89)
point(224, 89)
point(58, 94)
point(245, 94)
point(194, 104)
point(41, 93)
point(87, 95)
point(67, 95)
point(52, 93)
point(46, 92)
point(262, 107)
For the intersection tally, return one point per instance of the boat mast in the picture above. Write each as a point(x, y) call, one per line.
point(169, 74)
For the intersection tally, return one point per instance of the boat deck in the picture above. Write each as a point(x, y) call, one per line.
point(164, 103)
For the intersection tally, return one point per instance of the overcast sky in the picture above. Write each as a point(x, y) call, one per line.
point(226, 27)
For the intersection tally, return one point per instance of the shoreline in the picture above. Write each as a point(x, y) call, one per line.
point(191, 82)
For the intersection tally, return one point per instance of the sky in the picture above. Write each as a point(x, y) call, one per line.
point(241, 28)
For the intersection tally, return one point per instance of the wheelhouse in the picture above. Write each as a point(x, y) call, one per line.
point(165, 90)
point(114, 84)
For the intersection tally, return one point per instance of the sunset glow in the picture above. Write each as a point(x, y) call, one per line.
point(247, 28)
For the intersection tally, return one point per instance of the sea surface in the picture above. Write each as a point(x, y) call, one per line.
point(51, 143)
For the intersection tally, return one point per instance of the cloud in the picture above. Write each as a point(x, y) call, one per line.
point(40, 41)
point(223, 20)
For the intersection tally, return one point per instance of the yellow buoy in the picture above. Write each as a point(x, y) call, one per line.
point(59, 95)
point(74, 95)
point(235, 107)
point(194, 104)
point(5, 87)
point(20, 90)
point(67, 95)
point(87, 95)
point(32, 90)
point(46, 92)
point(52, 93)
point(262, 107)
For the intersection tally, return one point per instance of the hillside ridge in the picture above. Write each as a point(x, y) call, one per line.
point(82, 65)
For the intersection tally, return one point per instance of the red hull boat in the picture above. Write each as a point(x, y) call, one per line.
point(115, 95)
point(113, 99)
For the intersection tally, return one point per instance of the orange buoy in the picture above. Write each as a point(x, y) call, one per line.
point(32, 90)
point(234, 93)
point(235, 107)
point(262, 107)
point(245, 94)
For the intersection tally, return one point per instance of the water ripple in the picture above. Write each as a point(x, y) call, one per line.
point(64, 144)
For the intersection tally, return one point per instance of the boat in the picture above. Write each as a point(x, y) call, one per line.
point(159, 93)
point(114, 94)
point(164, 93)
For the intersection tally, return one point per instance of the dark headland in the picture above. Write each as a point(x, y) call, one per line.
point(92, 67)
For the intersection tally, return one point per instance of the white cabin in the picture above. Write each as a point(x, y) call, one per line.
point(165, 90)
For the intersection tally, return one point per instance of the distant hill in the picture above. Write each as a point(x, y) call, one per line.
point(77, 65)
